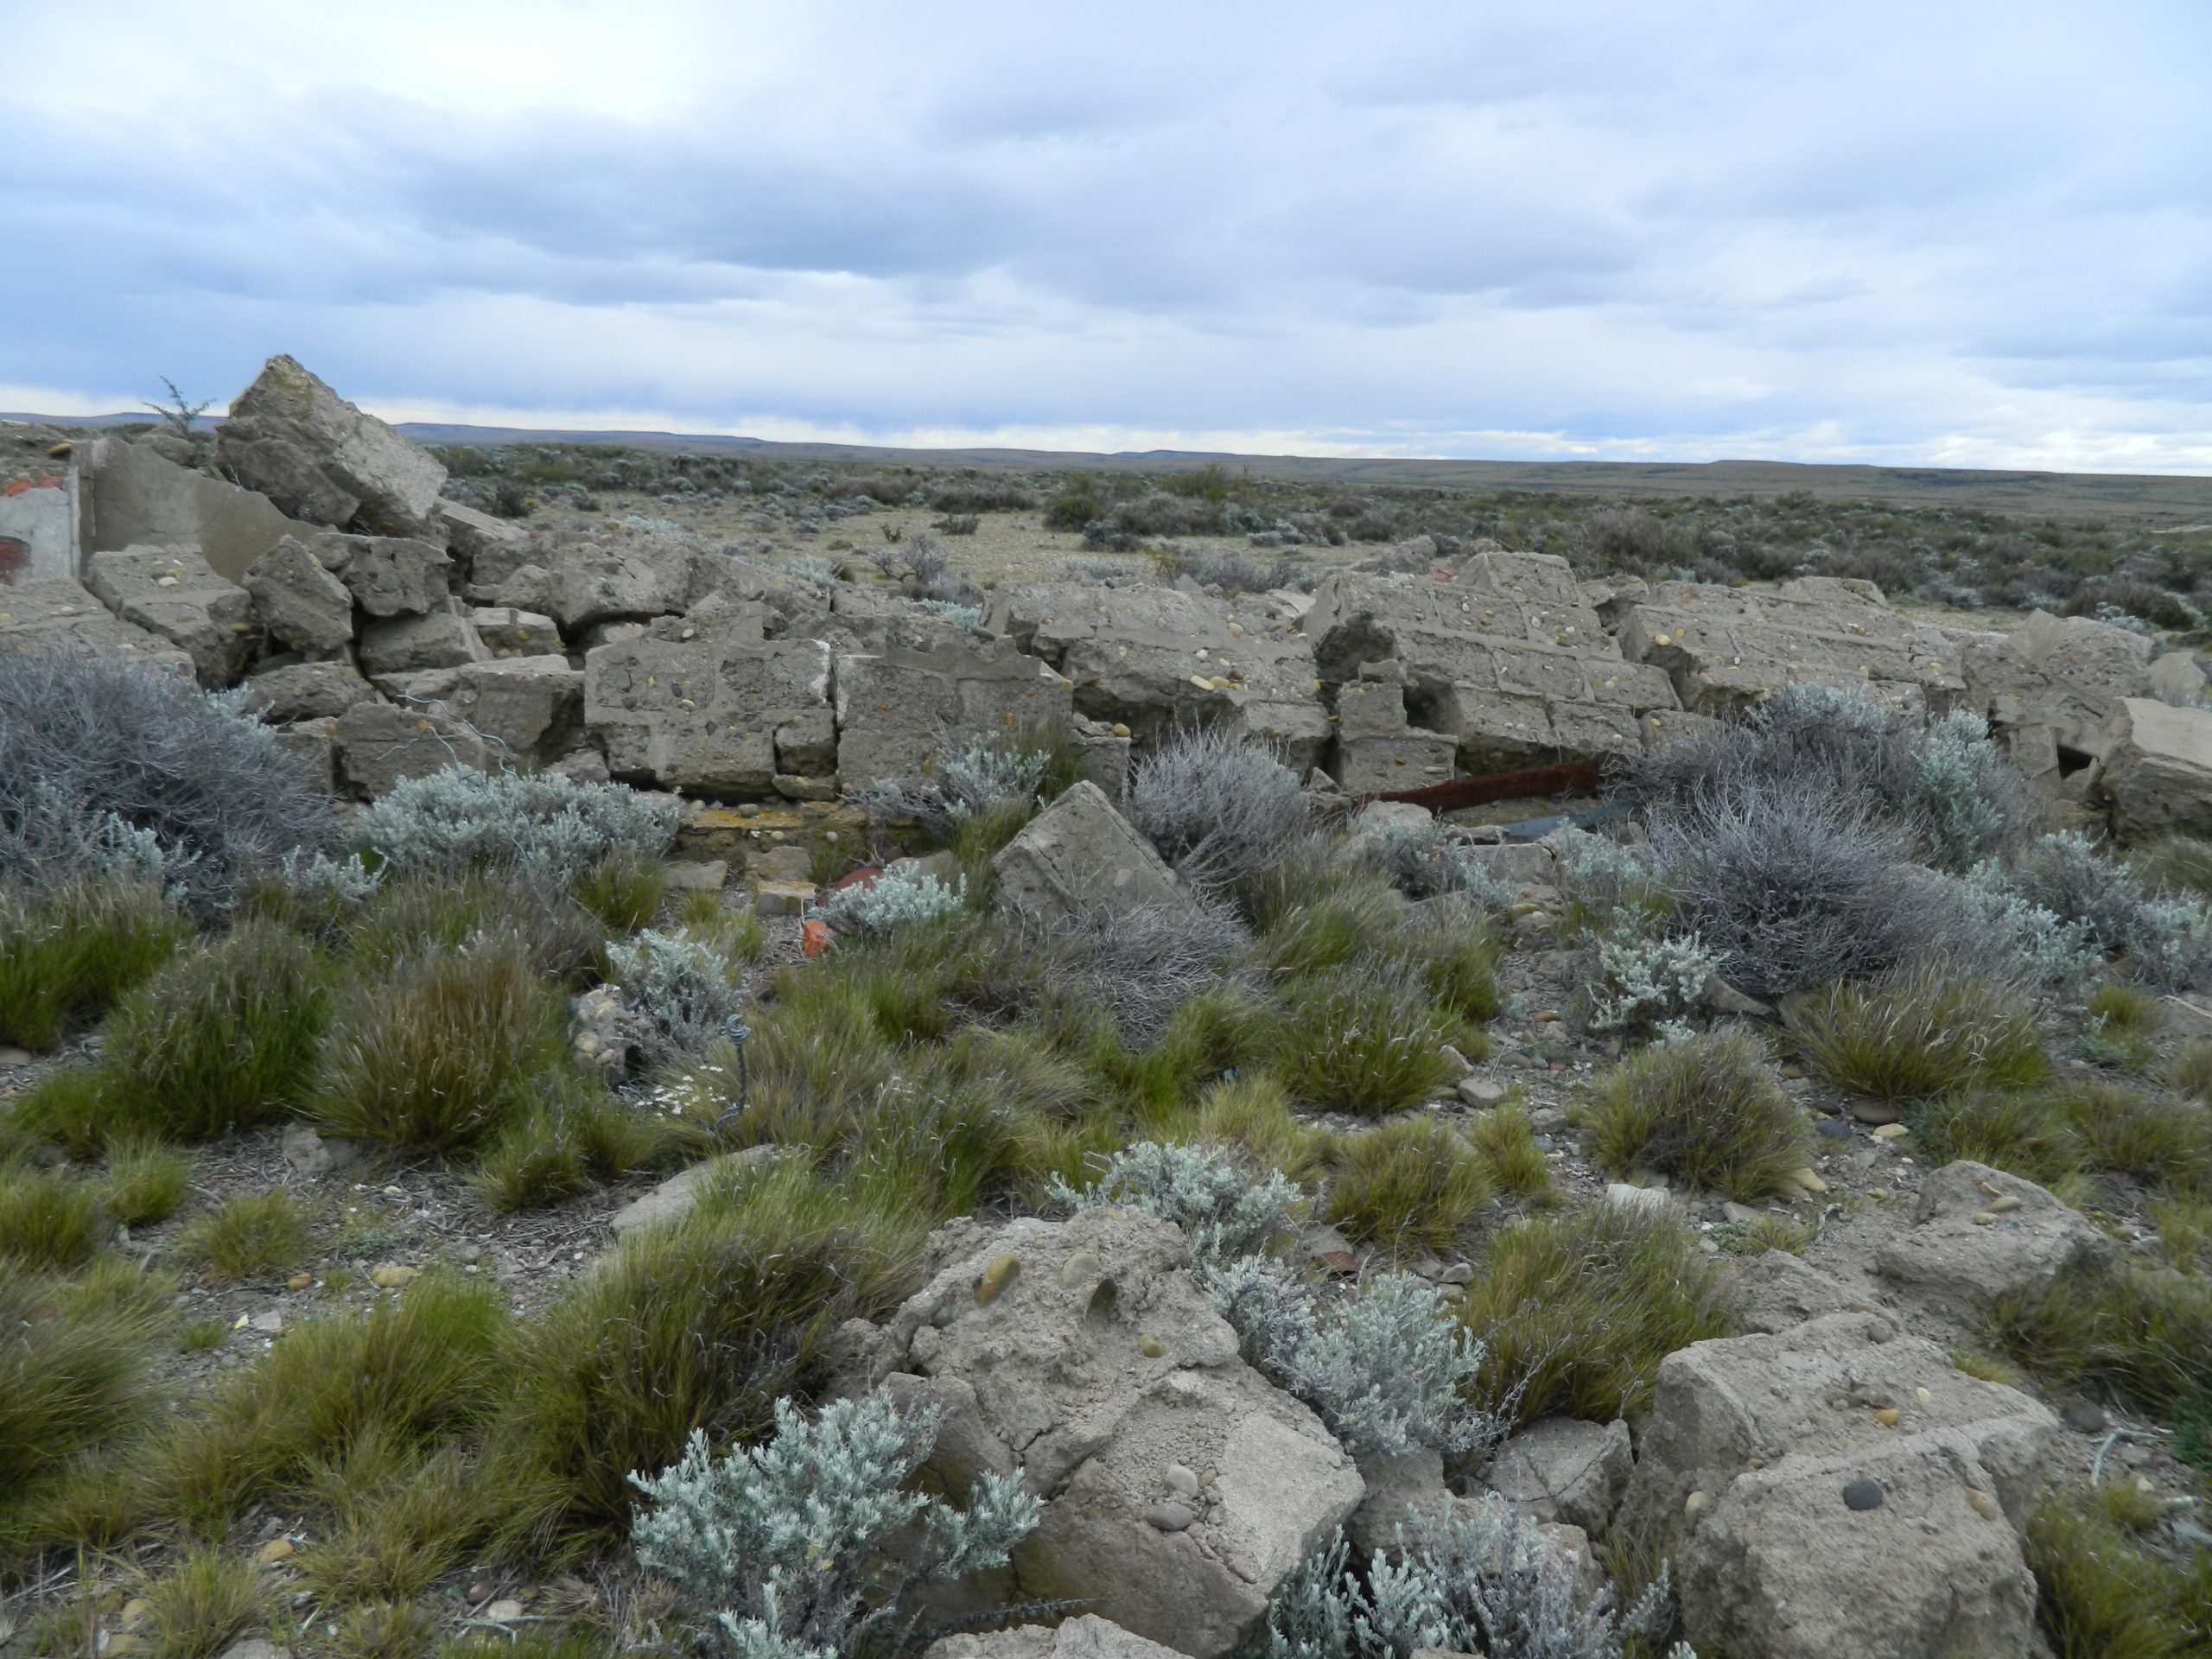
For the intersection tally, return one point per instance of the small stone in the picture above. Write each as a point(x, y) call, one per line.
point(276, 1549)
point(1891, 1131)
point(269, 1322)
point(1984, 1504)
point(1888, 1416)
point(1922, 1395)
point(11, 1057)
point(1793, 1072)
point(1881, 1113)
point(1998, 1206)
point(1151, 1347)
point(1833, 1128)
point(504, 1610)
point(121, 1644)
point(1808, 1180)
point(1862, 1494)
point(1696, 1504)
point(1207, 1477)
point(1983, 1218)
point(1120, 730)
point(2085, 1419)
point(391, 1278)
point(996, 1277)
point(1183, 1478)
point(1079, 1269)
point(299, 1281)
point(1456, 1272)
point(1170, 1517)
point(1481, 1091)
point(135, 1612)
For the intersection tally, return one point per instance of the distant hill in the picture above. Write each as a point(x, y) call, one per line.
point(2157, 498)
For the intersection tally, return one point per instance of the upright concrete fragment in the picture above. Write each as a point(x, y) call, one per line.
point(530, 709)
point(1840, 1490)
point(133, 496)
point(321, 459)
point(170, 591)
point(1079, 856)
point(709, 707)
point(39, 528)
point(2157, 775)
point(304, 608)
point(897, 707)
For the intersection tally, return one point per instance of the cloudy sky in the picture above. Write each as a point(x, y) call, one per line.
point(1939, 232)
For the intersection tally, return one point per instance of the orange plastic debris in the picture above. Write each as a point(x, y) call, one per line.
point(814, 939)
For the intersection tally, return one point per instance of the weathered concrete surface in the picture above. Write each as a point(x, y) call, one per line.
point(2156, 774)
point(1080, 857)
point(715, 710)
point(1377, 748)
point(2049, 688)
point(388, 576)
point(304, 608)
point(486, 548)
point(507, 632)
point(588, 583)
point(1741, 1477)
point(407, 645)
point(58, 615)
point(132, 496)
point(171, 592)
point(378, 744)
point(1081, 1357)
point(1564, 1469)
point(897, 707)
point(1726, 648)
point(321, 459)
point(530, 709)
point(1978, 1234)
point(1504, 660)
point(1157, 658)
point(1086, 1635)
point(38, 531)
point(295, 692)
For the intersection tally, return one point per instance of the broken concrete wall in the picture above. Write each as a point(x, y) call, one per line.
point(897, 707)
point(2049, 687)
point(39, 527)
point(133, 497)
point(321, 459)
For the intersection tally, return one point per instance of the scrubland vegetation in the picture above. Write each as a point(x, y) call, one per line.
point(231, 962)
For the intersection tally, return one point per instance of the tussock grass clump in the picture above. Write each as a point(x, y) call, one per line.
point(68, 954)
point(697, 1325)
point(1923, 1028)
point(400, 1375)
point(1250, 1114)
point(2103, 1591)
point(414, 913)
point(2124, 1007)
point(2190, 1070)
point(2185, 1232)
point(1353, 914)
point(1709, 1110)
point(1576, 1312)
point(48, 1222)
point(2176, 864)
point(1362, 1039)
point(2012, 1129)
point(1407, 1185)
point(555, 1150)
point(248, 1238)
point(443, 1051)
point(2052, 1133)
point(623, 889)
point(222, 1036)
point(2143, 1332)
point(1507, 1140)
point(144, 1181)
point(73, 1371)
point(204, 1603)
point(399, 1519)
point(68, 1108)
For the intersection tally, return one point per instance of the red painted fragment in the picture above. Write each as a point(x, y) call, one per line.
point(814, 939)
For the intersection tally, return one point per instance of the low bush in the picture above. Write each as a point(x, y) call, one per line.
point(1221, 808)
point(249, 1238)
point(1600, 878)
point(223, 1036)
point(2167, 942)
point(440, 1053)
point(1925, 1028)
point(1363, 1038)
point(991, 785)
point(2174, 864)
point(1142, 964)
point(1223, 1210)
point(67, 953)
point(546, 823)
point(1639, 978)
point(700, 1325)
point(1576, 1312)
point(2145, 1333)
point(1426, 861)
point(897, 898)
point(682, 990)
point(790, 1546)
point(108, 770)
point(2104, 1588)
point(1708, 1111)
point(1407, 1185)
point(623, 889)
point(144, 1181)
point(47, 1223)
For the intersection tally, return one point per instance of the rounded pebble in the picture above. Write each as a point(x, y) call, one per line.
point(1151, 1347)
point(1169, 1518)
point(996, 1277)
point(1984, 1504)
point(1183, 1478)
point(1079, 1269)
point(1862, 1494)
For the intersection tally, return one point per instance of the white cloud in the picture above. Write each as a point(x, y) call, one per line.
point(1969, 233)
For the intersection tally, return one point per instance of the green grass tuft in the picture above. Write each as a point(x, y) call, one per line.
point(418, 912)
point(555, 1150)
point(2143, 1332)
point(1360, 1039)
point(1709, 1110)
point(2124, 1007)
point(1922, 1029)
point(623, 889)
point(249, 1238)
point(2177, 864)
point(223, 1036)
point(2103, 1591)
point(2052, 1133)
point(204, 1603)
point(144, 1181)
point(444, 1049)
point(1250, 1114)
point(2191, 1070)
point(1576, 1312)
point(1407, 1185)
point(49, 1221)
point(1508, 1140)
point(66, 955)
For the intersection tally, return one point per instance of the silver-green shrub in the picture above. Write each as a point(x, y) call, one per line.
point(1644, 978)
point(964, 781)
point(1224, 1212)
point(895, 898)
point(1424, 861)
point(680, 988)
point(1220, 808)
point(1474, 1579)
point(2167, 942)
point(786, 1544)
point(543, 824)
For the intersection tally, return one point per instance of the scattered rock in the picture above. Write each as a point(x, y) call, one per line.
point(321, 459)
point(678, 1195)
point(1950, 1260)
point(1085, 1636)
point(1564, 1469)
point(1080, 857)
